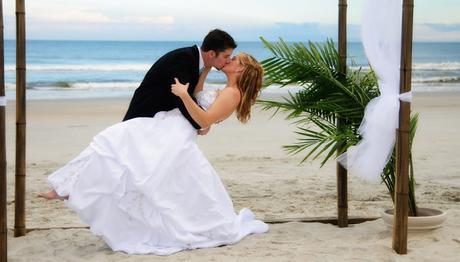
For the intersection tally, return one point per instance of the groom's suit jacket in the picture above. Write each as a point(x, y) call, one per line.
point(154, 93)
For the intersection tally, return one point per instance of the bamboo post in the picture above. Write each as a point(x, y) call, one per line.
point(3, 187)
point(342, 201)
point(402, 145)
point(19, 214)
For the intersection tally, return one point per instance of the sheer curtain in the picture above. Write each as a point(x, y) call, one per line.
point(381, 38)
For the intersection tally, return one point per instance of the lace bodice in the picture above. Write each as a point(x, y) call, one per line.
point(205, 98)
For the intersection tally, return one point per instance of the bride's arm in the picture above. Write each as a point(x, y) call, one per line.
point(201, 80)
point(224, 105)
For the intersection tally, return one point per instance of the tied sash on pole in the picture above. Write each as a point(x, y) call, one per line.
point(2, 101)
point(381, 37)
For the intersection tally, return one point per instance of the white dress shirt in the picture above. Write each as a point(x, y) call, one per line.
point(201, 63)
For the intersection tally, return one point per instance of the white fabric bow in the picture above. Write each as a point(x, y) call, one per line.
point(381, 37)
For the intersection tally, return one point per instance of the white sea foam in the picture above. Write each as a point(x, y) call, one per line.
point(444, 66)
point(437, 79)
point(84, 67)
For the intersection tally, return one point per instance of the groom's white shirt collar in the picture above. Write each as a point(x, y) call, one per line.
point(201, 63)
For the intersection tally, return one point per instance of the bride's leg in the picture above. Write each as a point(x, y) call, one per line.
point(52, 195)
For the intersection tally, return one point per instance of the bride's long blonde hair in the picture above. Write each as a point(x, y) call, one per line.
point(249, 83)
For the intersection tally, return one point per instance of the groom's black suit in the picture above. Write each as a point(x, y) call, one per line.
point(154, 93)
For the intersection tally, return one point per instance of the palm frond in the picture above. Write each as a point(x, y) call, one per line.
point(325, 95)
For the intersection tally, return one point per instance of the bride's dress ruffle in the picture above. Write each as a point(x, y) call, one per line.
point(145, 187)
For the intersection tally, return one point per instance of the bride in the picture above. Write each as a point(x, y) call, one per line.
point(145, 186)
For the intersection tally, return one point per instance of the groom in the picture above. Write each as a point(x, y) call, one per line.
point(154, 93)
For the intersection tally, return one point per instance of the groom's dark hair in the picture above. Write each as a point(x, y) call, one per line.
point(218, 41)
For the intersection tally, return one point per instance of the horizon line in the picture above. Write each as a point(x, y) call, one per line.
point(199, 41)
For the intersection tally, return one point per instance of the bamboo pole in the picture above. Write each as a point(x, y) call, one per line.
point(402, 146)
point(19, 214)
point(3, 187)
point(342, 190)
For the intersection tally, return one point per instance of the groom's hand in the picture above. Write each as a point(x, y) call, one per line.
point(179, 89)
point(204, 131)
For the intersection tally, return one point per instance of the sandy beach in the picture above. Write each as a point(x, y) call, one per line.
point(259, 175)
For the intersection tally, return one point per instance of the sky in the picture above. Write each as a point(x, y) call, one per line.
point(190, 20)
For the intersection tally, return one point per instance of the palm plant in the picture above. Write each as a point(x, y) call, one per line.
point(326, 95)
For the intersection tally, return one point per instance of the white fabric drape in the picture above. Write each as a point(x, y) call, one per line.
point(2, 100)
point(381, 37)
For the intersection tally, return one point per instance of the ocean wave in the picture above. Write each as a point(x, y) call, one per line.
point(435, 80)
point(87, 68)
point(37, 86)
point(106, 85)
point(418, 87)
point(444, 66)
point(432, 83)
point(79, 85)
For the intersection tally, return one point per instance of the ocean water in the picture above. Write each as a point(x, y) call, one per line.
point(89, 69)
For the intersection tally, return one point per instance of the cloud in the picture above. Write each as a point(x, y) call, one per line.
point(443, 27)
point(159, 20)
point(437, 32)
point(85, 17)
point(74, 16)
point(96, 26)
point(321, 32)
point(294, 32)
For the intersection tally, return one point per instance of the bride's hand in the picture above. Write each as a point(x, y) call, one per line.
point(204, 131)
point(179, 89)
point(207, 69)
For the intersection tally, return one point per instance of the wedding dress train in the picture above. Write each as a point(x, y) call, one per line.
point(145, 187)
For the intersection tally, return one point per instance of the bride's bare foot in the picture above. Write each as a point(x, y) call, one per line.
point(52, 195)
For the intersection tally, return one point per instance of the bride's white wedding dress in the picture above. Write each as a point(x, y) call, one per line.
point(145, 187)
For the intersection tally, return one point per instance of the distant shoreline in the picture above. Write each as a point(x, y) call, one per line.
point(443, 95)
point(200, 40)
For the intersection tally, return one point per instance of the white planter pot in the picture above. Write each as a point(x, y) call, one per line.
point(427, 218)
